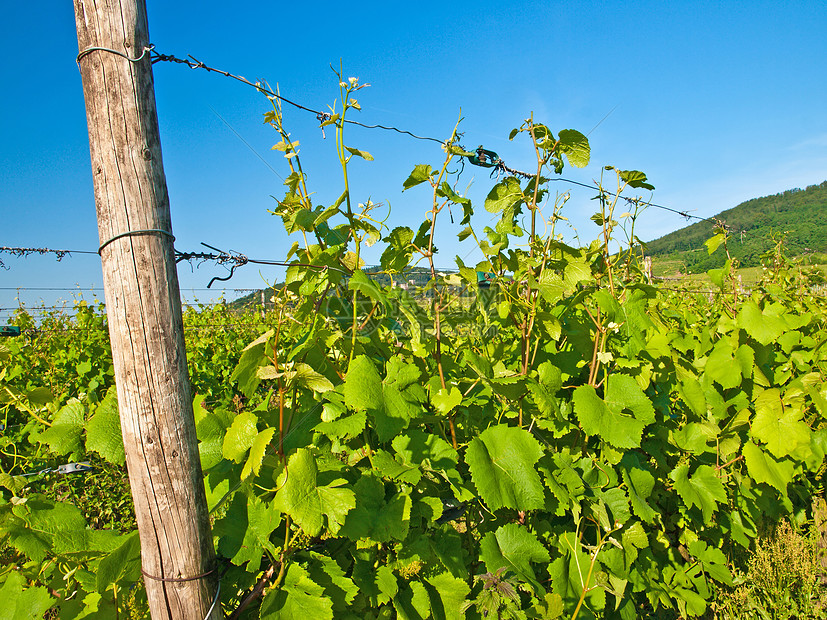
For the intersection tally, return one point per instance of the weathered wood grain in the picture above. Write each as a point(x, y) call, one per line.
point(144, 310)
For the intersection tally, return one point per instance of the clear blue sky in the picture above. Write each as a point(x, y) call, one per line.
point(717, 102)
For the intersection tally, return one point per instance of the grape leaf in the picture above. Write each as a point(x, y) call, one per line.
point(257, 450)
point(721, 366)
point(245, 372)
point(703, 489)
point(363, 386)
point(375, 518)
point(39, 521)
point(305, 501)
point(502, 461)
point(122, 564)
point(420, 174)
point(22, 603)
point(504, 195)
point(447, 596)
point(103, 430)
point(575, 146)
point(764, 468)
point(780, 427)
point(63, 436)
point(240, 436)
point(607, 417)
point(515, 548)
point(244, 531)
point(326, 572)
point(299, 597)
point(765, 326)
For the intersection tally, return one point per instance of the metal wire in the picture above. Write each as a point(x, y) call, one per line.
point(499, 166)
point(129, 233)
point(147, 50)
point(194, 63)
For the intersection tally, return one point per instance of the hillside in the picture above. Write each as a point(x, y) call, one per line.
point(799, 215)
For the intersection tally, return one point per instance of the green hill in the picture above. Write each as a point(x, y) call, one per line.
point(797, 215)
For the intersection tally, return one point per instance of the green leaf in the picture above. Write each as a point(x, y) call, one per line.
point(394, 415)
point(504, 195)
point(420, 174)
point(304, 376)
point(609, 417)
point(721, 365)
point(377, 585)
point(367, 287)
point(211, 430)
point(240, 436)
point(446, 399)
point(305, 501)
point(548, 608)
point(713, 560)
point(103, 430)
point(635, 178)
point(446, 191)
point(691, 392)
point(502, 461)
point(388, 467)
point(375, 518)
point(13, 483)
point(569, 572)
point(22, 603)
point(777, 425)
point(703, 489)
point(326, 572)
point(244, 531)
point(121, 565)
point(764, 468)
point(425, 450)
point(617, 503)
point(363, 154)
point(251, 358)
point(38, 522)
point(412, 602)
point(447, 596)
point(765, 326)
point(299, 597)
point(343, 428)
point(39, 396)
point(575, 146)
point(396, 256)
point(515, 548)
point(257, 451)
point(63, 436)
point(713, 243)
point(363, 386)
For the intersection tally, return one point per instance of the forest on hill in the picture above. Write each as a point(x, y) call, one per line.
point(797, 216)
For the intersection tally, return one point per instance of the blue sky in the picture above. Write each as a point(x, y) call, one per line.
point(717, 102)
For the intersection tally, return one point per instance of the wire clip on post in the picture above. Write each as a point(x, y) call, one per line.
point(68, 468)
point(8, 331)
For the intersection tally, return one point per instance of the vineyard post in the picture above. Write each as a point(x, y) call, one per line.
point(144, 310)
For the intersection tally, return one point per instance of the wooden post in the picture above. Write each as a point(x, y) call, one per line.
point(143, 306)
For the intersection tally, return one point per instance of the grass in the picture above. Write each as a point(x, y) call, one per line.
point(784, 579)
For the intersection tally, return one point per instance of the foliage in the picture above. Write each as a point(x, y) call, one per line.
point(570, 441)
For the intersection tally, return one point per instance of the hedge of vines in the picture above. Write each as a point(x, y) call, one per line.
point(570, 441)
